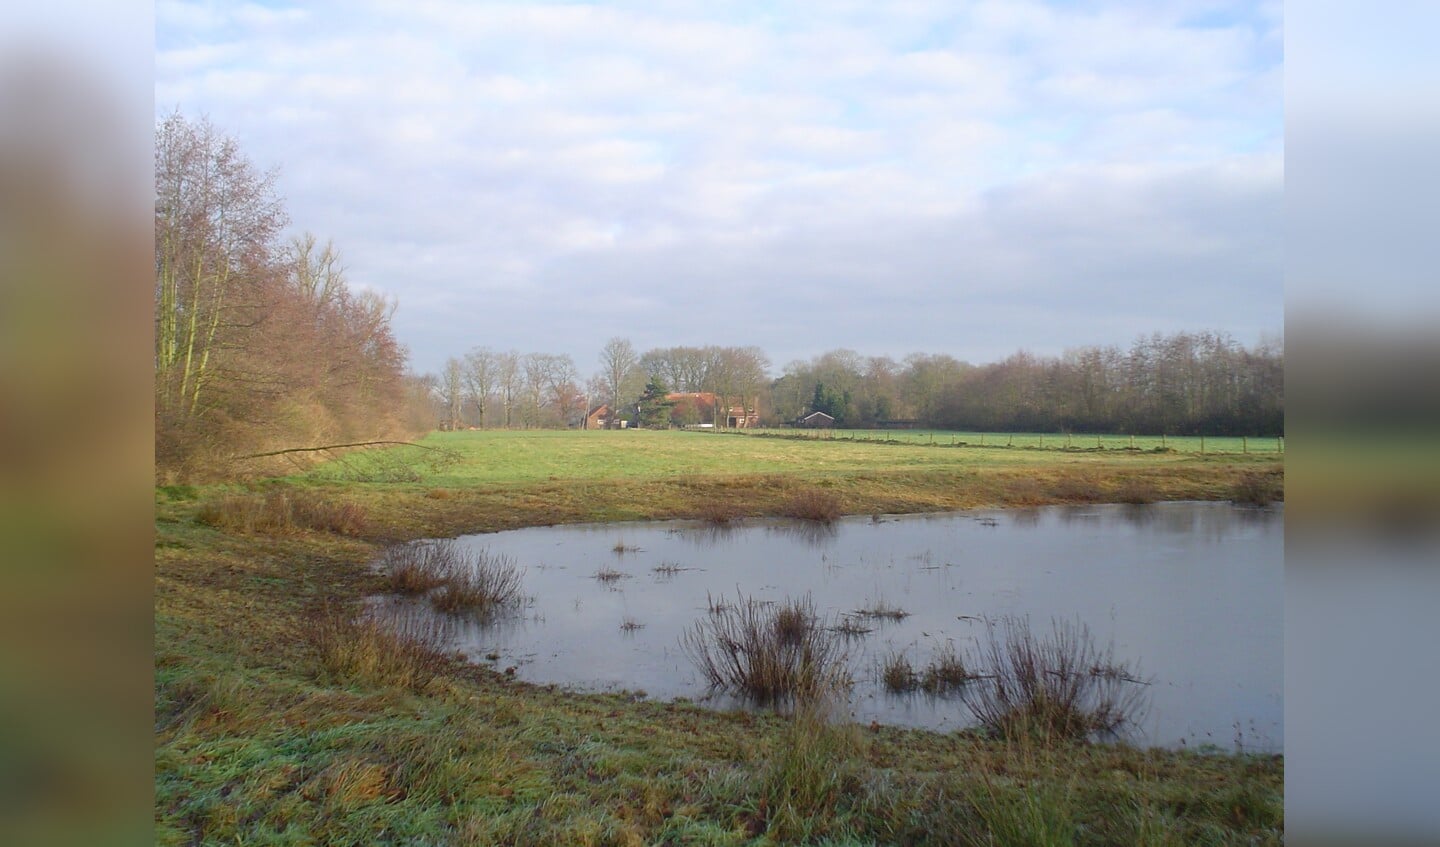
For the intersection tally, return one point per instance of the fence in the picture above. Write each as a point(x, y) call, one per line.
point(1203, 444)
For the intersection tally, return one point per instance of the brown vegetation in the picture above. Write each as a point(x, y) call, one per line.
point(768, 652)
point(1259, 488)
point(1055, 686)
point(379, 648)
point(813, 504)
point(258, 345)
point(279, 512)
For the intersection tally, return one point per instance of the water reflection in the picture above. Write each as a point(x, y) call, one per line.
point(1192, 592)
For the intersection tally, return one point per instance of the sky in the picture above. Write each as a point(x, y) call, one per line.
point(969, 178)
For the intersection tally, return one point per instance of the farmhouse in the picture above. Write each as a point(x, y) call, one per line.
point(816, 420)
point(600, 418)
point(702, 407)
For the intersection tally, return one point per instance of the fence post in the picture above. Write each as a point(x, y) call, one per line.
point(1244, 444)
point(1202, 445)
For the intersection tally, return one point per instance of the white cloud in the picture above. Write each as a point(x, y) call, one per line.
point(502, 168)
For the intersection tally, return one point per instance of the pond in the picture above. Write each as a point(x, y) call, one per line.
point(1191, 593)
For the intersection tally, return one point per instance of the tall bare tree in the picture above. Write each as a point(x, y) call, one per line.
point(216, 219)
point(481, 373)
point(619, 368)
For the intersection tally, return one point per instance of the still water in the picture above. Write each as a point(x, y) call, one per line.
point(1191, 593)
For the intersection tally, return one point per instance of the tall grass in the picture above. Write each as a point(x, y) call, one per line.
point(381, 648)
point(416, 568)
point(480, 583)
point(771, 653)
point(455, 579)
point(1056, 686)
point(282, 512)
point(813, 768)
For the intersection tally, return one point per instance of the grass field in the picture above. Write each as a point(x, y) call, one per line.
point(280, 721)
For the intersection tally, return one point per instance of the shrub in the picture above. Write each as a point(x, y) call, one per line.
point(417, 568)
point(745, 648)
point(479, 583)
point(812, 504)
point(1059, 686)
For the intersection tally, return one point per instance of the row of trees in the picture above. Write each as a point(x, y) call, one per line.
point(1182, 383)
point(486, 388)
point(1185, 383)
point(260, 343)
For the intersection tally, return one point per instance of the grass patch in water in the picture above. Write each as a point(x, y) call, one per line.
point(768, 652)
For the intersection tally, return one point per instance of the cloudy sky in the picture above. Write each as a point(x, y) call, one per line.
point(969, 178)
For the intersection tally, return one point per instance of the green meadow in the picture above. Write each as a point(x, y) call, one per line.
point(281, 719)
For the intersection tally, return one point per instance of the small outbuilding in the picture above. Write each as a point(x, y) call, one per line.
point(816, 420)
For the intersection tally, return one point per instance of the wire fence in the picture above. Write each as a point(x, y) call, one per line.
point(1201, 444)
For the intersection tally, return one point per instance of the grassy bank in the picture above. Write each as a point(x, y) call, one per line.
point(266, 732)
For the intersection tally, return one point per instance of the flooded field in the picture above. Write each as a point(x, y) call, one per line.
point(1189, 593)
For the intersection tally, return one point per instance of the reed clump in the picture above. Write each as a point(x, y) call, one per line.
point(480, 583)
point(416, 568)
point(769, 652)
point(455, 579)
point(897, 673)
point(946, 672)
point(1055, 686)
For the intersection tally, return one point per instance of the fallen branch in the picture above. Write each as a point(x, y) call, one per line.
point(330, 447)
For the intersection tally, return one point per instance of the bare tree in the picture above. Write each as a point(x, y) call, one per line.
point(454, 387)
point(480, 377)
point(509, 381)
point(619, 369)
point(216, 218)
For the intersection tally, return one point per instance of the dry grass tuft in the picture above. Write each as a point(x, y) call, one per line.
point(479, 583)
point(416, 568)
point(1137, 492)
point(282, 512)
point(946, 672)
point(812, 504)
point(378, 649)
point(850, 627)
point(456, 579)
point(718, 512)
point(1056, 686)
point(1257, 488)
point(768, 652)
point(882, 610)
point(608, 575)
point(897, 673)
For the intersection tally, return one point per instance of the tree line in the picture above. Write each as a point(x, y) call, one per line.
point(1178, 384)
point(260, 343)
